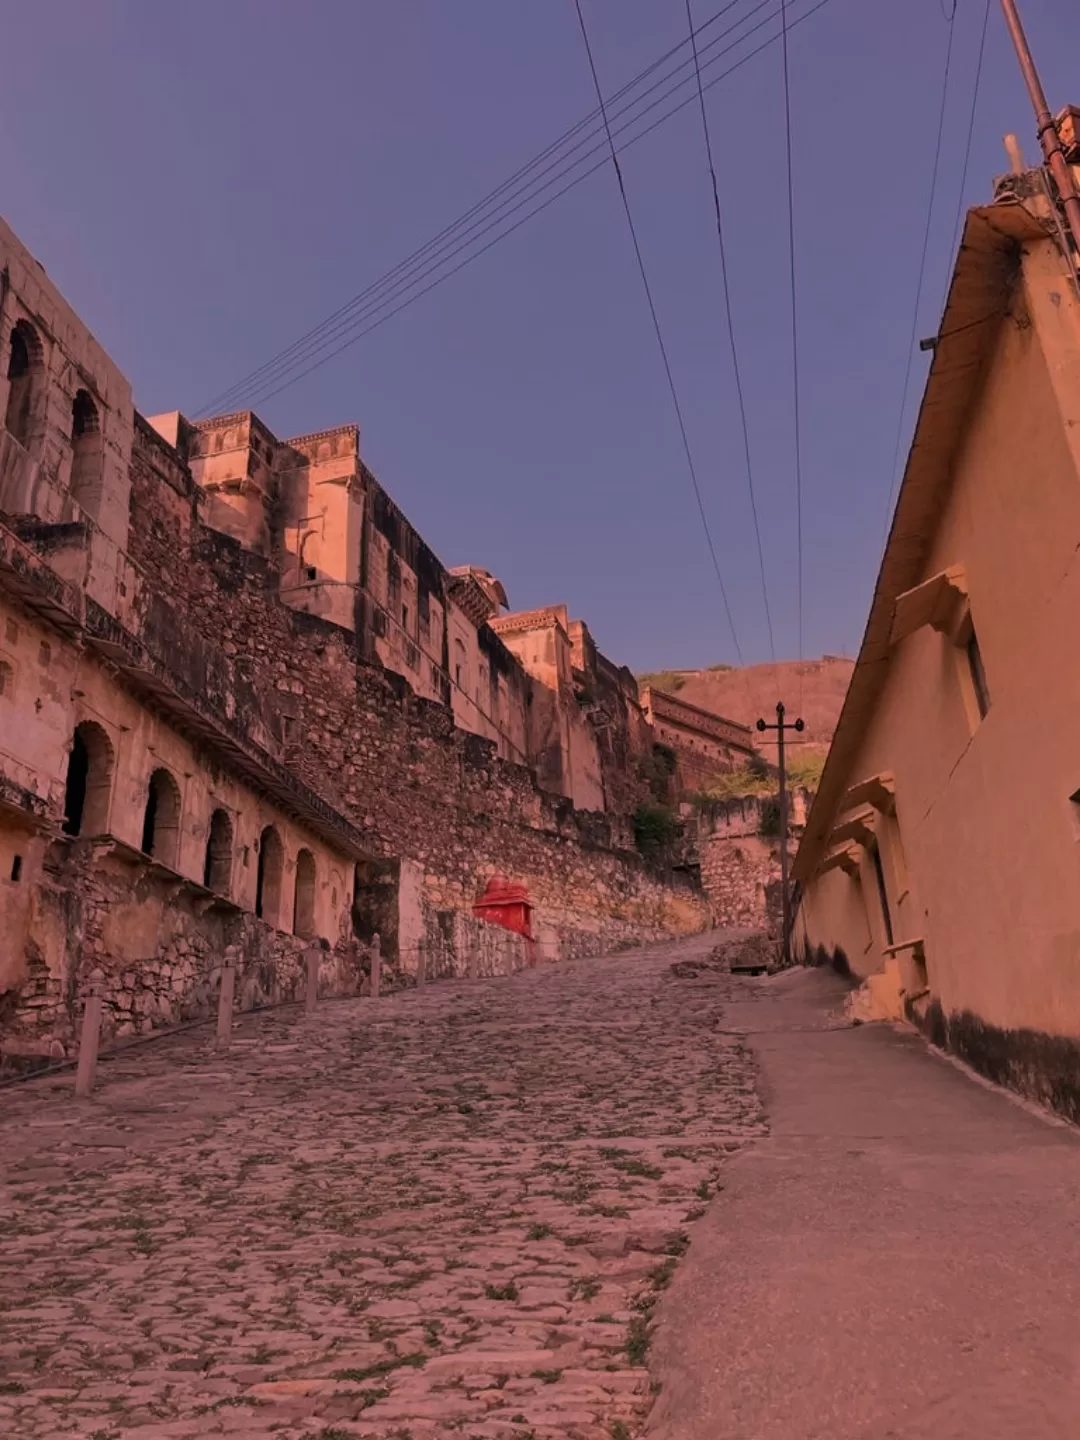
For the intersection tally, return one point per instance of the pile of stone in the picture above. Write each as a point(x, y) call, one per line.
point(754, 954)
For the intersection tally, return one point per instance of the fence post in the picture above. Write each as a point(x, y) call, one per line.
point(509, 967)
point(421, 966)
point(474, 962)
point(314, 959)
point(376, 965)
point(90, 1038)
point(225, 1003)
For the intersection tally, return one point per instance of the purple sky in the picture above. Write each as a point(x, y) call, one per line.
point(205, 181)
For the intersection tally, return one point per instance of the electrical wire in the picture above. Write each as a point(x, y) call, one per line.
point(355, 328)
point(434, 244)
point(599, 164)
point(731, 327)
point(922, 274)
point(794, 335)
point(967, 150)
point(659, 333)
point(486, 223)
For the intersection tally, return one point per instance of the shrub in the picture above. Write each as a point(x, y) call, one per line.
point(670, 680)
point(769, 825)
point(656, 827)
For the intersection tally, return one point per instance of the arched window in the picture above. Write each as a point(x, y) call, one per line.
point(89, 781)
point(268, 880)
point(25, 366)
point(217, 867)
point(461, 667)
point(161, 819)
point(86, 451)
point(304, 895)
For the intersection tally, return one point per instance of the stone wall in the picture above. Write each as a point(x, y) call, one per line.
point(740, 865)
point(156, 946)
point(416, 788)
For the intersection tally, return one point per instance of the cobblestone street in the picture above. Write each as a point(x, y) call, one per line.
point(448, 1212)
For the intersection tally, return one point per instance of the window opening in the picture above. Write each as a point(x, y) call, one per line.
point(304, 895)
point(161, 818)
point(268, 876)
point(89, 781)
point(217, 866)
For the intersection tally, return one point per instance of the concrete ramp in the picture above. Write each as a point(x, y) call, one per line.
point(900, 1258)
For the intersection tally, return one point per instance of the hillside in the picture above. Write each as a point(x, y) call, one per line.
point(814, 689)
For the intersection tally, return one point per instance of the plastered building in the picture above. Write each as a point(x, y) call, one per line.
point(941, 858)
point(244, 709)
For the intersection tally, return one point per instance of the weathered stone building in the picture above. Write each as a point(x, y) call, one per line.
point(243, 704)
point(704, 745)
point(736, 846)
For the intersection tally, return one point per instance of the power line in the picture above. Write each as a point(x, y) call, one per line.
point(408, 299)
point(967, 146)
point(922, 273)
point(354, 328)
point(481, 205)
point(794, 334)
point(731, 326)
point(435, 246)
point(659, 333)
point(352, 316)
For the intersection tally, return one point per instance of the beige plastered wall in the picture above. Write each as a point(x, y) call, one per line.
point(984, 826)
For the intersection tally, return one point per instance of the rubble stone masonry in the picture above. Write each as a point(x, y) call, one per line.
point(433, 798)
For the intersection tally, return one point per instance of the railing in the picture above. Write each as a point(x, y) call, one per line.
point(85, 1063)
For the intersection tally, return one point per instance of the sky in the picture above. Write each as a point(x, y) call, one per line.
point(207, 182)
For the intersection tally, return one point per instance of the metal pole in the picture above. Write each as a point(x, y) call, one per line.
point(1047, 130)
point(786, 938)
point(780, 726)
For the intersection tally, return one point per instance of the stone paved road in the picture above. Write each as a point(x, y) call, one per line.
point(444, 1213)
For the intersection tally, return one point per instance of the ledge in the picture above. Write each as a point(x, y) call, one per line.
point(914, 945)
point(858, 827)
point(131, 855)
point(940, 602)
point(878, 791)
point(845, 857)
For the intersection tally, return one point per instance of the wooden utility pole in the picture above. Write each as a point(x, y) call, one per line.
point(785, 895)
point(1060, 172)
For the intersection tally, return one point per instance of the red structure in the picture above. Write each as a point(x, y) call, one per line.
point(507, 904)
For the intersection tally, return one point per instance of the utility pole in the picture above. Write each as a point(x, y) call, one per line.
point(785, 895)
point(1049, 139)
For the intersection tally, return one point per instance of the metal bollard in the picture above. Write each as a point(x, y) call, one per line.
point(314, 959)
point(376, 965)
point(225, 1004)
point(90, 1039)
point(421, 967)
